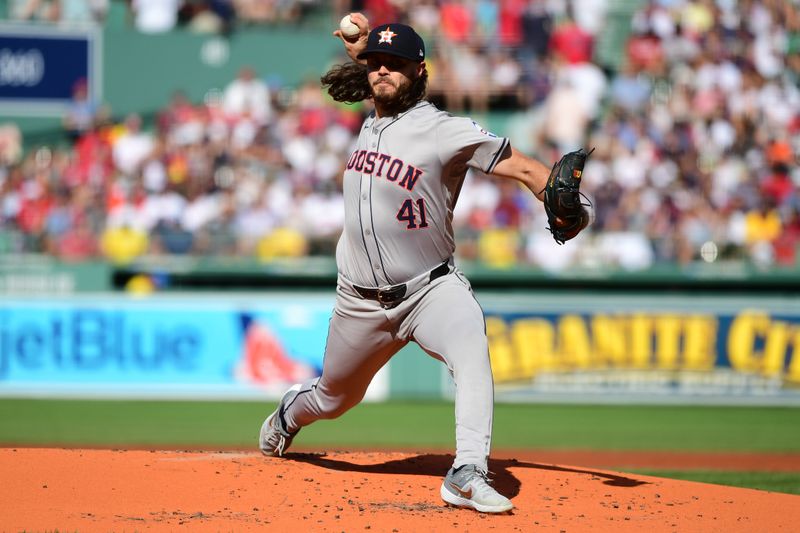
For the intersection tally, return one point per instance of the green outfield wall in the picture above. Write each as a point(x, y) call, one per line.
point(26, 275)
point(42, 274)
point(545, 346)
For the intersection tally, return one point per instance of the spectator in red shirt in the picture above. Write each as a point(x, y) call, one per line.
point(381, 11)
point(778, 185)
point(92, 163)
point(457, 22)
point(78, 243)
point(646, 53)
point(571, 43)
point(787, 244)
point(510, 22)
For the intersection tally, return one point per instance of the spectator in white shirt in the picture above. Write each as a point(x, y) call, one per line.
point(247, 96)
point(155, 16)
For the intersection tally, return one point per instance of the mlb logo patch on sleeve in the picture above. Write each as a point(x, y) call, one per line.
point(482, 129)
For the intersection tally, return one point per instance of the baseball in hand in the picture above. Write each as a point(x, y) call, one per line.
point(348, 28)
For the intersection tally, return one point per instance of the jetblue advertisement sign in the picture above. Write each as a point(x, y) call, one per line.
point(39, 67)
point(161, 347)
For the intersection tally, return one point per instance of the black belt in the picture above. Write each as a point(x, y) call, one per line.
point(394, 294)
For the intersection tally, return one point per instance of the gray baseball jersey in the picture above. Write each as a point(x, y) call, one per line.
point(400, 188)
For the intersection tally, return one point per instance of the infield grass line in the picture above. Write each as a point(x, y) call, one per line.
point(786, 482)
point(403, 425)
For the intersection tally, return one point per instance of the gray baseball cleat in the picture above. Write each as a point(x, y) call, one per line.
point(468, 486)
point(274, 438)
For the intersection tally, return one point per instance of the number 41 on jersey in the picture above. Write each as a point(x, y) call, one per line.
point(414, 219)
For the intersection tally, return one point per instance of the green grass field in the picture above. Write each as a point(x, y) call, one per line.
point(206, 425)
point(788, 482)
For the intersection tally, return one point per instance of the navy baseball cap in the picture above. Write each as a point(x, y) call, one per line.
point(395, 39)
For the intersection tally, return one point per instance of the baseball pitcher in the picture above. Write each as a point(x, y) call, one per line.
point(397, 281)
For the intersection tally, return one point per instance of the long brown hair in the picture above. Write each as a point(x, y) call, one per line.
point(348, 83)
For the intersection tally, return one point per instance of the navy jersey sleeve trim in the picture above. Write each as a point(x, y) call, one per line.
point(496, 157)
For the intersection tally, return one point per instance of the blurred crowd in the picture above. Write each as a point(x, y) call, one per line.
point(158, 16)
point(696, 133)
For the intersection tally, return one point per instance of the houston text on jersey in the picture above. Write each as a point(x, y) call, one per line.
point(375, 163)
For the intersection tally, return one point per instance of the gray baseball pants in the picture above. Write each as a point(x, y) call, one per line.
point(444, 319)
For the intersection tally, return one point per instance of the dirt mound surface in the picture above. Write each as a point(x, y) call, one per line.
point(110, 490)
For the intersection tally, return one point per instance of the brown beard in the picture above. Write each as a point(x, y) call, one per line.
point(348, 83)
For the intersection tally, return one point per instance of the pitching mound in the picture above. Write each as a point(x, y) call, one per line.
point(105, 490)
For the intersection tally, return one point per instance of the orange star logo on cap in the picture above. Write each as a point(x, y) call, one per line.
point(386, 36)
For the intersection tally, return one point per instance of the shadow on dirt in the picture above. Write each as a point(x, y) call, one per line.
point(438, 464)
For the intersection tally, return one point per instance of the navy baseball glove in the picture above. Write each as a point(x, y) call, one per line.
point(566, 214)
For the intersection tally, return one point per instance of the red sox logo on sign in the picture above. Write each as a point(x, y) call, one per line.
point(386, 36)
point(265, 361)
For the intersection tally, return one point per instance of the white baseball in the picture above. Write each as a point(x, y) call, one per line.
point(348, 28)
